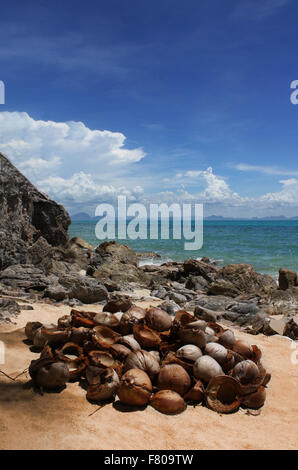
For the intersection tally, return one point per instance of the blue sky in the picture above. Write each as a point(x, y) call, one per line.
point(162, 101)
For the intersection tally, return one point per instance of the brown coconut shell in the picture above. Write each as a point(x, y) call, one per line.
point(130, 342)
point(106, 319)
point(135, 388)
point(174, 377)
point(157, 319)
point(243, 348)
point(104, 337)
point(76, 366)
point(255, 400)
point(223, 394)
point(79, 335)
point(171, 358)
point(119, 351)
point(147, 338)
point(104, 359)
point(196, 393)
point(31, 328)
point(130, 318)
point(55, 336)
point(168, 402)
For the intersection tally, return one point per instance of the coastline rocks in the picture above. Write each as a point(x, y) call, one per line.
point(85, 289)
point(223, 287)
point(25, 215)
point(208, 271)
point(245, 278)
point(115, 252)
point(8, 308)
point(287, 279)
point(25, 276)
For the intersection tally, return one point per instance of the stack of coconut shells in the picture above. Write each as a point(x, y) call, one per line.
point(148, 357)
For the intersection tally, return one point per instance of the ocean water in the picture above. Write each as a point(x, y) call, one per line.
point(266, 245)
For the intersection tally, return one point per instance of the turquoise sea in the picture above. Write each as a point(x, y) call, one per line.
point(267, 245)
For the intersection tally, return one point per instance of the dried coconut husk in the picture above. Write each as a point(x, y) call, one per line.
point(227, 339)
point(173, 377)
point(31, 328)
point(135, 388)
point(182, 318)
point(131, 317)
point(48, 374)
point(106, 319)
point(189, 353)
point(79, 335)
point(106, 389)
point(65, 321)
point(223, 394)
point(85, 319)
point(119, 351)
point(130, 342)
point(157, 319)
point(47, 352)
point(256, 399)
point(168, 402)
point(171, 358)
point(146, 337)
point(103, 359)
point(104, 337)
point(218, 329)
point(55, 336)
point(196, 394)
point(256, 353)
point(142, 360)
point(76, 366)
point(243, 348)
point(261, 380)
point(192, 336)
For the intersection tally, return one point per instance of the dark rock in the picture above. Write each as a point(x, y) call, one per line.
point(114, 252)
point(177, 297)
point(9, 307)
point(196, 283)
point(245, 278)
point(287, 278)
point(244, 309)
point(160, 292)
point(25, 276)
point(223, 287)
point(57, 293)
point(170, 307)
point(79, 242)
point(206, 270)
point(85, 289)
point(26, 214)
point(207, 315)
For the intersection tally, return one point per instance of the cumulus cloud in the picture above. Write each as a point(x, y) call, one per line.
point(31, 143)
point(288, 194)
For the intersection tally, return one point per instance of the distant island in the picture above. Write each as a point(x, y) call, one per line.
point(84, 216)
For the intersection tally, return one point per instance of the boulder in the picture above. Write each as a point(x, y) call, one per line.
point(245, 278)
point(208, 271)
point(25, 276)
point(170, 307)
point(83, 288)
point(112, 251)
point(287, 279)
point(223, 287)
point(196, 283)
point(79, 242)
point(207, 315)
point(9, 307)
point(26, 214)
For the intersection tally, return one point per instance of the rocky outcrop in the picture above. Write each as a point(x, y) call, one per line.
point(245, 278)
point(287, 279)
point(26, 215)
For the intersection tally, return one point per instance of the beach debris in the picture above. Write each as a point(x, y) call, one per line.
point(168, 402)
point(146, 357)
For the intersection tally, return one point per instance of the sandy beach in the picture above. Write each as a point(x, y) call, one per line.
point(67, 420)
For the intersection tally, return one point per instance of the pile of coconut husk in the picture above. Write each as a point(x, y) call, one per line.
point(145, 356)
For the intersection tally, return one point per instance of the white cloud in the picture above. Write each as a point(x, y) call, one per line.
point(26, 140)
point(288, 195)
point(268, 170)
